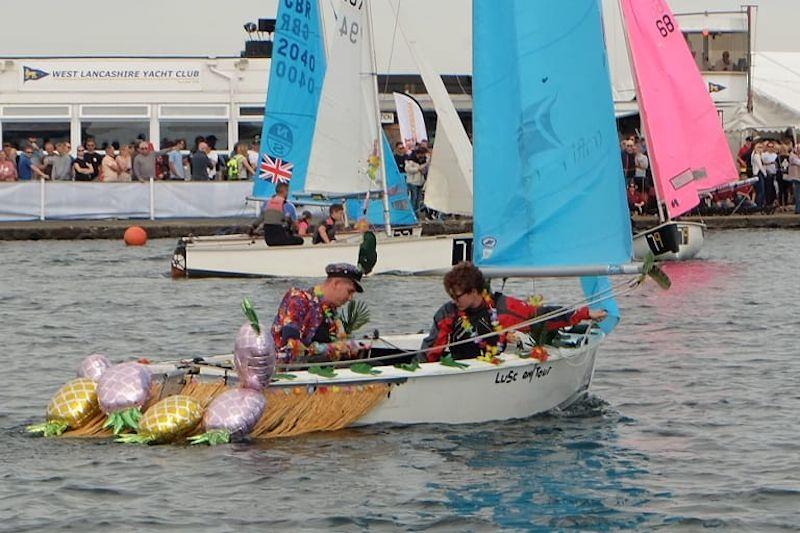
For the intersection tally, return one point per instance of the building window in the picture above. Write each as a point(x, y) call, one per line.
point(189, 130)
point(718, 51)
point(17, 132)
point(113, 131)
point(248, 131)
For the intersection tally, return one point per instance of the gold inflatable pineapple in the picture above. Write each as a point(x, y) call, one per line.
point(72, 405)
point(168, 420)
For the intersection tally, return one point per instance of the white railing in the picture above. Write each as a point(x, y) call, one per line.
point(69, 200)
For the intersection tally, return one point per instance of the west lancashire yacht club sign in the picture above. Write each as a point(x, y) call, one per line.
point(108, 76)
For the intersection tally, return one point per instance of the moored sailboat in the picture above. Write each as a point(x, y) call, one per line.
point(686, 145)
point(322, 136)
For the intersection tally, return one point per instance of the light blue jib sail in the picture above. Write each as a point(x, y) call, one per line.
point(295, 84)
point(400, 211)
point(548, 187)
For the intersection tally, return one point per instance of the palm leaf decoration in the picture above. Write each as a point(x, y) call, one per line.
point(367, 252)
point(354, 315)
point(651, 269)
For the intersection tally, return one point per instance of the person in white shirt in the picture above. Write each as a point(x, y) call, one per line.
point(759, 172)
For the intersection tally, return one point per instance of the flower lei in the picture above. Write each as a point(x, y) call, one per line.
point(489, 352)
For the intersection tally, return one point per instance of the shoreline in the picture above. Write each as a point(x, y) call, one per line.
point(35, 230)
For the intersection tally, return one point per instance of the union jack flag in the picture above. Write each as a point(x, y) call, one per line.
point(275, 170)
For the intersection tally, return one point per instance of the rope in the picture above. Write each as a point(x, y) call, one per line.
point(391, 50)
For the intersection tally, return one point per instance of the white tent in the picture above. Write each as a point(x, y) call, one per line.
point(776, 95)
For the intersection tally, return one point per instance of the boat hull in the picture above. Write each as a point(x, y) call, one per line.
point(517, 388)
point(245, 256)
point(690, 236)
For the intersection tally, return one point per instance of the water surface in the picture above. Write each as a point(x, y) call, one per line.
point(692, 421)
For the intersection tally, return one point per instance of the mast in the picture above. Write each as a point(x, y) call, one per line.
point(387, 220)
point(661, 217)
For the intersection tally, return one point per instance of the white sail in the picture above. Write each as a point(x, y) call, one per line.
point(623, 88)
point(346, 132)
point(449, 185)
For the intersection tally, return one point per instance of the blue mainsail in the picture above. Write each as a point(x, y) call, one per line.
point(546, 149)
point(295, 84)
point(400, 211)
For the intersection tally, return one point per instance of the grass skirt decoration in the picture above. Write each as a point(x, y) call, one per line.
point(291, 410)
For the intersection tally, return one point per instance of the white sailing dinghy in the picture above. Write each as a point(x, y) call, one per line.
point(322, 136)
point(543, 142)
point(545, 148)
point(686, 144)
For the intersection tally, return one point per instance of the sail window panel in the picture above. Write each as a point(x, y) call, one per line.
point(18, 132)
point(191, 129)
point(88, 111)
point(31, 111)
point(114, 131)
point(193, 111)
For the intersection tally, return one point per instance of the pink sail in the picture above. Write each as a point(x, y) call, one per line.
point(687, 147)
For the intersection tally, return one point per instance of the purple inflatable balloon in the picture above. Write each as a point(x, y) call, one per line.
point(254, 357)
point(123, 386)
point(93, 366)
point(235, 411)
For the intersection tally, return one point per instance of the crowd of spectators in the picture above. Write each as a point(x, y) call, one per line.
point(773, 163)
point(136, 161)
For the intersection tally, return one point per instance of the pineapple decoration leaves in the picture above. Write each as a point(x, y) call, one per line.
point(354, 315)
point(250, 314)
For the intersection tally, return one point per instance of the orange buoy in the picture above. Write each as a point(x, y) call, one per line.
point(135, 236)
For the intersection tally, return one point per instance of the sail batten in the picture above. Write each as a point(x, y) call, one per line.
point(548, 188)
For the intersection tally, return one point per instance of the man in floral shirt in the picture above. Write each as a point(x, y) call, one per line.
point(306, 327)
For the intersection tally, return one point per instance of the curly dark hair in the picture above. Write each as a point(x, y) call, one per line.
point(463, 278)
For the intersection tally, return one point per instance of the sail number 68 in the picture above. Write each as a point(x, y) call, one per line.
point(665, 25)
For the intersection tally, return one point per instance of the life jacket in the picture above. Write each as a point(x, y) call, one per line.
point(273, 211)
point(330, 230)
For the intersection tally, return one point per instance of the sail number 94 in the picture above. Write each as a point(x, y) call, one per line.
point(665, 25)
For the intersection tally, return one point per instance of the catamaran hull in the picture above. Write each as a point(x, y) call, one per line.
point(438, 394)
point(244, 256)
point(690, 236)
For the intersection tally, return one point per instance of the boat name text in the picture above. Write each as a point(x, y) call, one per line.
point(510, 376)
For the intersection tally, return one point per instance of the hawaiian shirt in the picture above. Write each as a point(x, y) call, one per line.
point(299, 316)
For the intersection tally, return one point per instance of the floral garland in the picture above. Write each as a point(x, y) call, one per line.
point(335, 326)
point(489, 352)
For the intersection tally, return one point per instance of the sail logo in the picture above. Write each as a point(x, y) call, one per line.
point(489, 244)
point(715, 87)
point(535, 133)
point(275, 170)
point(32, 74)
point(280, 139)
